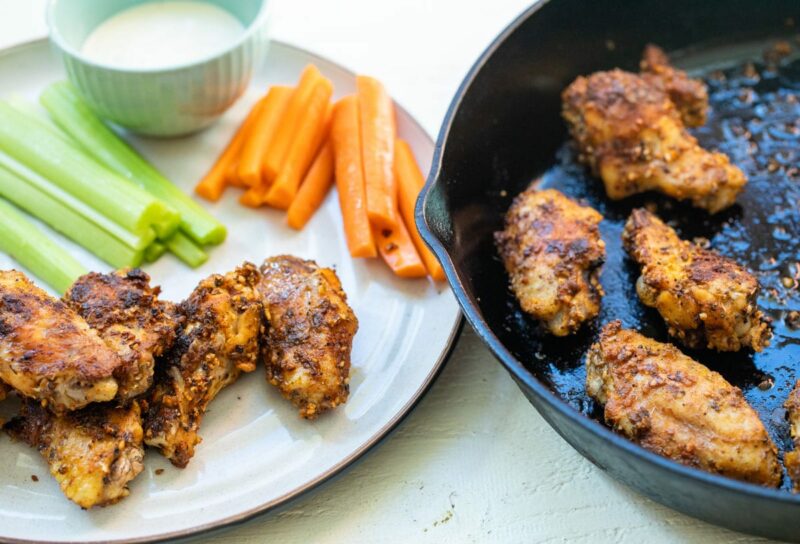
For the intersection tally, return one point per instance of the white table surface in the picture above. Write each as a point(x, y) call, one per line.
point(474, 462)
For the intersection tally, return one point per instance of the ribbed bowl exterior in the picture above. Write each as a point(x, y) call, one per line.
point(169, 102)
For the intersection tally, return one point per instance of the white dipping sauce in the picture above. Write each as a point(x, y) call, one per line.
point(161, 34)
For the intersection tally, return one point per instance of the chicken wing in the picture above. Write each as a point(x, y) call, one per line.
point(552, 251)
point(792, 458)
point(93, 453)
point(4, 390)
point(219, 339)
point(706, 299)
point(310, 333)
point(48, 352)
point(125, 311)
point(631, 135)
point(689, 95)
point(672, 405)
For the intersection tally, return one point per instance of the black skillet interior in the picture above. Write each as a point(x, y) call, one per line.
point(505, 130)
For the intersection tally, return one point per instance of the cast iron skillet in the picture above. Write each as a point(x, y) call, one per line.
point(504, 130)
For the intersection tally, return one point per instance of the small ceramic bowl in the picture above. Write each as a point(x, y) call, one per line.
point(169, 101)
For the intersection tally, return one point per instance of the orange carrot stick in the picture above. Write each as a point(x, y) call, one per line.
point(213, 184)
point(265, 125)
point(409, 184)
point(289, 123)
point(316, 184)
point(397, 250)
point(252, 197)
point(232, 176)
point(350, 178)
point(376, 113)
point(307, 140)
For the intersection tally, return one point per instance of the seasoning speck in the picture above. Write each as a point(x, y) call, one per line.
point(767, 383)
point(34, 477)
point(159, 471)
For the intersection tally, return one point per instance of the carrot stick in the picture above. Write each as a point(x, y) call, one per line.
point(265, 125)
point(346, 143)
point(252, 197)
point(289, 123)
point(213, 184)
point(310, 135)
point(376, 112)
point(397, 251)
point(315, 186)
point(232, 176)
point(409, 183)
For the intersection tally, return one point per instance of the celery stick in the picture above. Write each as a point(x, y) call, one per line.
point(185, 249)
point(166, 229)
point(30, 109)
point(37, 147)
point(54, 192)
point(35, 251)
point(68, 222)
point(154, 252)
point(75, 117)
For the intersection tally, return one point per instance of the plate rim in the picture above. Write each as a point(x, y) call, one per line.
point(346, 463)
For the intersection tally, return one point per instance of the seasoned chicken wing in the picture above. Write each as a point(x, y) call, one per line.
point(124, 309)
point(310, 333)
point(48, 352)
point(706, 300)
point(93, 453)
point(676, 407)
point(689, 95)
point(552, 251)
point(219, 339)
point(631, 135)
point(792, 458)
point(4, 390)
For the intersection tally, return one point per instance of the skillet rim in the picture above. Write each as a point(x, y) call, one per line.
point(524, 378)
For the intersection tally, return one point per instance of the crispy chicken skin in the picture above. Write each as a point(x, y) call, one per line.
point(310, 333)
point(672, 405)
point(631, 135)
point(706, 299)
point(48, 352)
point(3, 394)
point(93, 453)
point(219, 339)
point(689, 95)
point(792, 458)
point(552, 251)
point(125, 311)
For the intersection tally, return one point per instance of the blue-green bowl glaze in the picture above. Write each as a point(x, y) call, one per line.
point(169, 101)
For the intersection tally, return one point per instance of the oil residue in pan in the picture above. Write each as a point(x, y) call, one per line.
point(755, 119)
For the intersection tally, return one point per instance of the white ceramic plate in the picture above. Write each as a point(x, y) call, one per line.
point(256, 452)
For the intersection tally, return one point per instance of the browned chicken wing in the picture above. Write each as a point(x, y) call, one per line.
point(93, 453)
point(552, 251)
point(689, 95)
point(125, 311)
point(792, 458)
point(48, 352)
point(219, 339)
point(676, 407)
point(4, 390)
point(310, 333)
point(631, 135)
point(706, 299)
